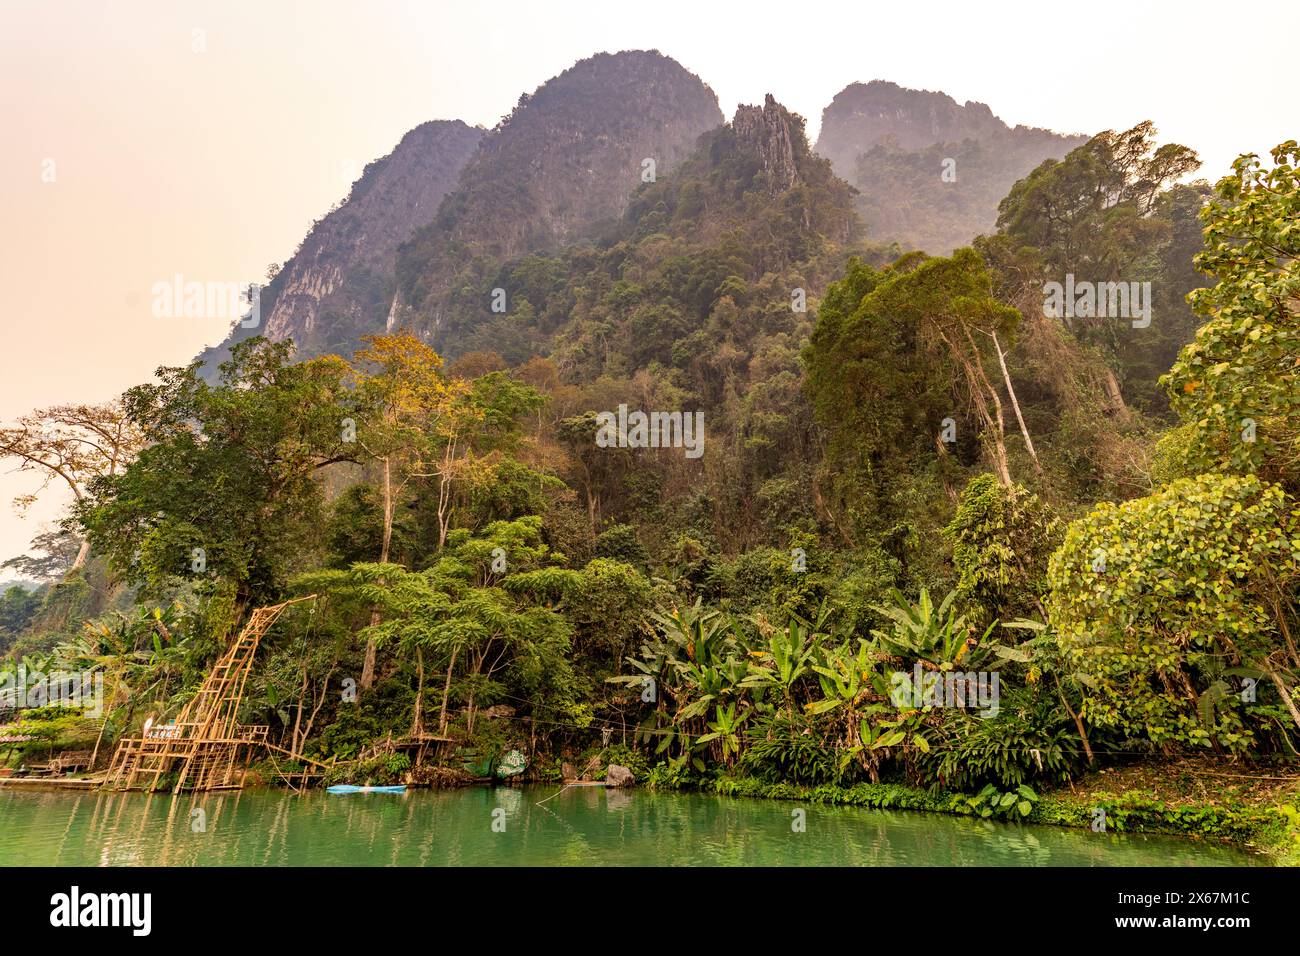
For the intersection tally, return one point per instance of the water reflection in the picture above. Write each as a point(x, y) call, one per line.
point(536, 826)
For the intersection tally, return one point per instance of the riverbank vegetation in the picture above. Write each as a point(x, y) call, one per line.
point(1265, 822)
point(942, 550)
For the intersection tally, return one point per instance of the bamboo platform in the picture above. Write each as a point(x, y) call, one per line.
point(206, 748)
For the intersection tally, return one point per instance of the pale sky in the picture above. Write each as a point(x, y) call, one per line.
point(203, 137)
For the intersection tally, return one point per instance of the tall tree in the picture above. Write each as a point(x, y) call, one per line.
point(227, 485)
point(950, 302)
point(403, 393)
point(1237, 386)
point(72, 445)
point(1105, 214)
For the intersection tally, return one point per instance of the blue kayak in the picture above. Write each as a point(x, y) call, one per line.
point(349, 788)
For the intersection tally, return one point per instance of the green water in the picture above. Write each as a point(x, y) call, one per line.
point(584, 826)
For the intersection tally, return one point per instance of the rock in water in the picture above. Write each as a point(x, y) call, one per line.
point(618, 776)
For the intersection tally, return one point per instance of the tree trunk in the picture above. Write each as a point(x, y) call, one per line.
point(1015, 405)
point(446, 693)
point(478, 661)
point(297, 720)
point(977, 384)
point(996, 422)
point(1000, 461)
point(1279, 614)
point(388, 510)
point(319, 702)
point(1114, 395)
point(1078, 722)
point(368, 668)
point(417, 724)
point(593, 506)
point(444, 492)
point(94, 754)
point(82, 553)
point(1285, 695)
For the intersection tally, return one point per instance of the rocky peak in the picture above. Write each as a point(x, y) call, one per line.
point(339, 280)
point(571, 153)
point(765, 130)
point(394, 196)
point(566, 160)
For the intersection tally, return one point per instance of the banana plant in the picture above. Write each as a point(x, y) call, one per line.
point(845, 678)
point(693, 662)
point(725, 728)
point(934, 633)
point(877, 737)
point(695, 634)
point(848, 681)
point(788, 658)
point(704, 684)
point(882, 735)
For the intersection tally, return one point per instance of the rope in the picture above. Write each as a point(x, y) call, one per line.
point(283, 776)
point(576, 782)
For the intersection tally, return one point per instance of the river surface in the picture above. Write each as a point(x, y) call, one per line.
point(539, 826)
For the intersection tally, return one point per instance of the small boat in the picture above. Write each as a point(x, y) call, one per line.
point(476, 765)
point(350, 788)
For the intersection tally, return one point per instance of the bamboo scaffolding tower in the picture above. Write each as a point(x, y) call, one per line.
point(206, 748)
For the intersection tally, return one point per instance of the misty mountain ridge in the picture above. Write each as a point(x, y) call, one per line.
point(929, 171)
point(427, 226)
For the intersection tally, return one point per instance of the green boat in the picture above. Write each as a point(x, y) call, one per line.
point(475, 764)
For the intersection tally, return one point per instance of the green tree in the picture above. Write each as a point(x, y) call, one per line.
point(18, 605)
point(1157, 599)
point(1110, 212)
point(227, 485)
point(402, 395)
point(1001, 541)
point(1237, 386)
point(896, 353)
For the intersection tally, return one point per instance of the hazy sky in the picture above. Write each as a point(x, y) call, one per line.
point(202, 138)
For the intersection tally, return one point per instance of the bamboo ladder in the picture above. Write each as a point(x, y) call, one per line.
point(208, 739)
